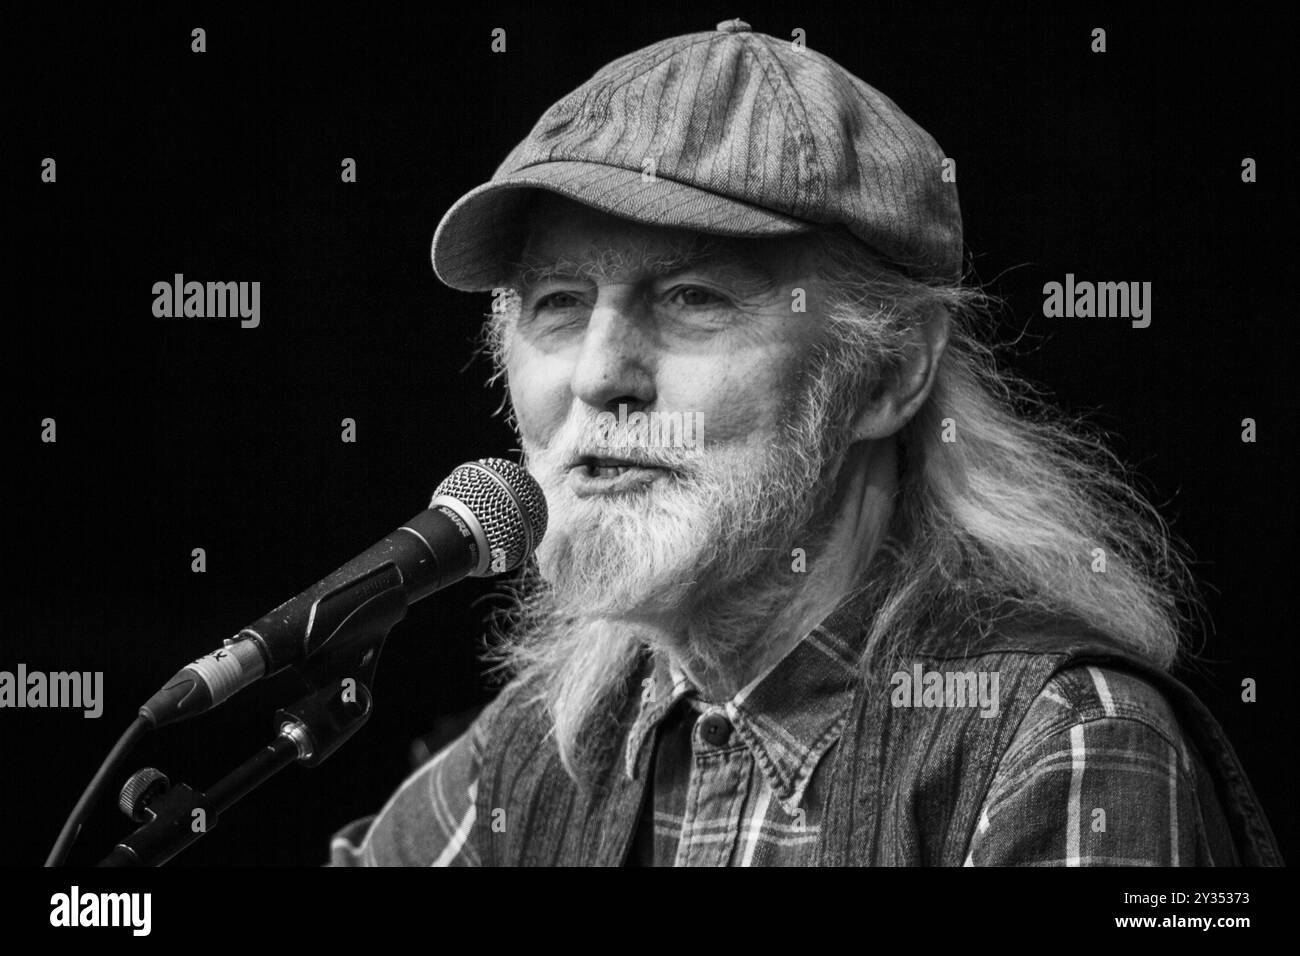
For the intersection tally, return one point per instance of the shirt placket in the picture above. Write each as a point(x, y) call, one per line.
point(718, 790)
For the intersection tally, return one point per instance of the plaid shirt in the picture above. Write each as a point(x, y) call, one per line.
point(1098, 773)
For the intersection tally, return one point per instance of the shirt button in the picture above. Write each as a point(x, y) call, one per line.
point(715, 729)
point(734, 26)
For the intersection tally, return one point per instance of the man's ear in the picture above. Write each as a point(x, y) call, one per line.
point(904, 390)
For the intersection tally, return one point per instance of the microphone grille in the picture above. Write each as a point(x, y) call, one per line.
point(506, 500)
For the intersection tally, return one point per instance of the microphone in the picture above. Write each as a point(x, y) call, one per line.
point(485, 518)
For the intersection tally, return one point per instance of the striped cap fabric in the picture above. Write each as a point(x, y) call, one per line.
point(728, 132)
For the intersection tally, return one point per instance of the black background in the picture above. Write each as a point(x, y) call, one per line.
point(183, 433)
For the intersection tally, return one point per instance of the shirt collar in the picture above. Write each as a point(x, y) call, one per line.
point(788, 716)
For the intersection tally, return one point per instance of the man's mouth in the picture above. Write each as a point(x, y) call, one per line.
point(592, 466)
point(598, 474)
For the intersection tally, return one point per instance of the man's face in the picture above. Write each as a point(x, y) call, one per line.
point(613, 313)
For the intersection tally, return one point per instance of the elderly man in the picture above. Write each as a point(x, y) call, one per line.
point(874, 609)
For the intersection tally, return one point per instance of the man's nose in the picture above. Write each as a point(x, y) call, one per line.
point(617, 359)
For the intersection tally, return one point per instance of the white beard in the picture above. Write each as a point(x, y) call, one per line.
point(707, 548)
point(715, 522)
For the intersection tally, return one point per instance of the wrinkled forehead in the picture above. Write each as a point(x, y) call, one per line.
point(568, 240)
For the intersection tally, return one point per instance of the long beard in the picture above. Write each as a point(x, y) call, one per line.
point(721, 516)
point(670, 547)
point(708, 547)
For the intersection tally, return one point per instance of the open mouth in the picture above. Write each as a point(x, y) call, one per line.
point(601, 475)
point(598, 467)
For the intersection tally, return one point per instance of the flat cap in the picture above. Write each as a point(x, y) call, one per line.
point(728, 132)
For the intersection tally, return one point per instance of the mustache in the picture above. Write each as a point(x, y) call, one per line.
point(573, 446)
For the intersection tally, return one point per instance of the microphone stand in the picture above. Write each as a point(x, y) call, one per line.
point(309, 730)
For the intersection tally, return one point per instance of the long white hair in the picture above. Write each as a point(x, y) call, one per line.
point(1005, 526)
point(1024, 517)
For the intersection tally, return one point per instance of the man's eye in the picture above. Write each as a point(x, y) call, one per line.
point(696, 295)
point(557, 300)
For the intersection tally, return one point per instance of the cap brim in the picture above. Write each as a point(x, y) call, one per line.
point(485, 230)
